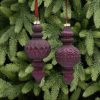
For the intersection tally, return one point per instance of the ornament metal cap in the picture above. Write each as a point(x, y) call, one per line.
point(36, 22)
point(67, 24)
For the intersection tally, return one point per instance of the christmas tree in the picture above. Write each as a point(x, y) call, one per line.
point(16, 19)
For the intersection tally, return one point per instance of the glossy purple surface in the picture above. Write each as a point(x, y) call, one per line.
point(67, 55)
point(37, 49)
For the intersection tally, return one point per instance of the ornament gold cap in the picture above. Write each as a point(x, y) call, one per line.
point(67, 24)
point(37, 22)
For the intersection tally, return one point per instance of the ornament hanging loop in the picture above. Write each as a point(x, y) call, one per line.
point(36, 12)
point(66, 17)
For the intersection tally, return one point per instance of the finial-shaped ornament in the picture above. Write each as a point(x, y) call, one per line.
point(37, 48)
point(67, 55)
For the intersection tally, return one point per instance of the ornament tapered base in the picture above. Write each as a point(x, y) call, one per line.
point(38, 72)
point(68, 75)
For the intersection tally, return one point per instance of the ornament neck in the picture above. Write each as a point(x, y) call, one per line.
point(37, 30)
point(67, 35)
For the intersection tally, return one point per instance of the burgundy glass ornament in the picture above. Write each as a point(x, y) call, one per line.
point(37, 49)
point(67, 55)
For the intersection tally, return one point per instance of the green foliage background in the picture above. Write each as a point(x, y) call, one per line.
point(16, 18)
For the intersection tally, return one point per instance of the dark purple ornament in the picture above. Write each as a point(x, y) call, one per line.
point(67, 55)
point(37, 49)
